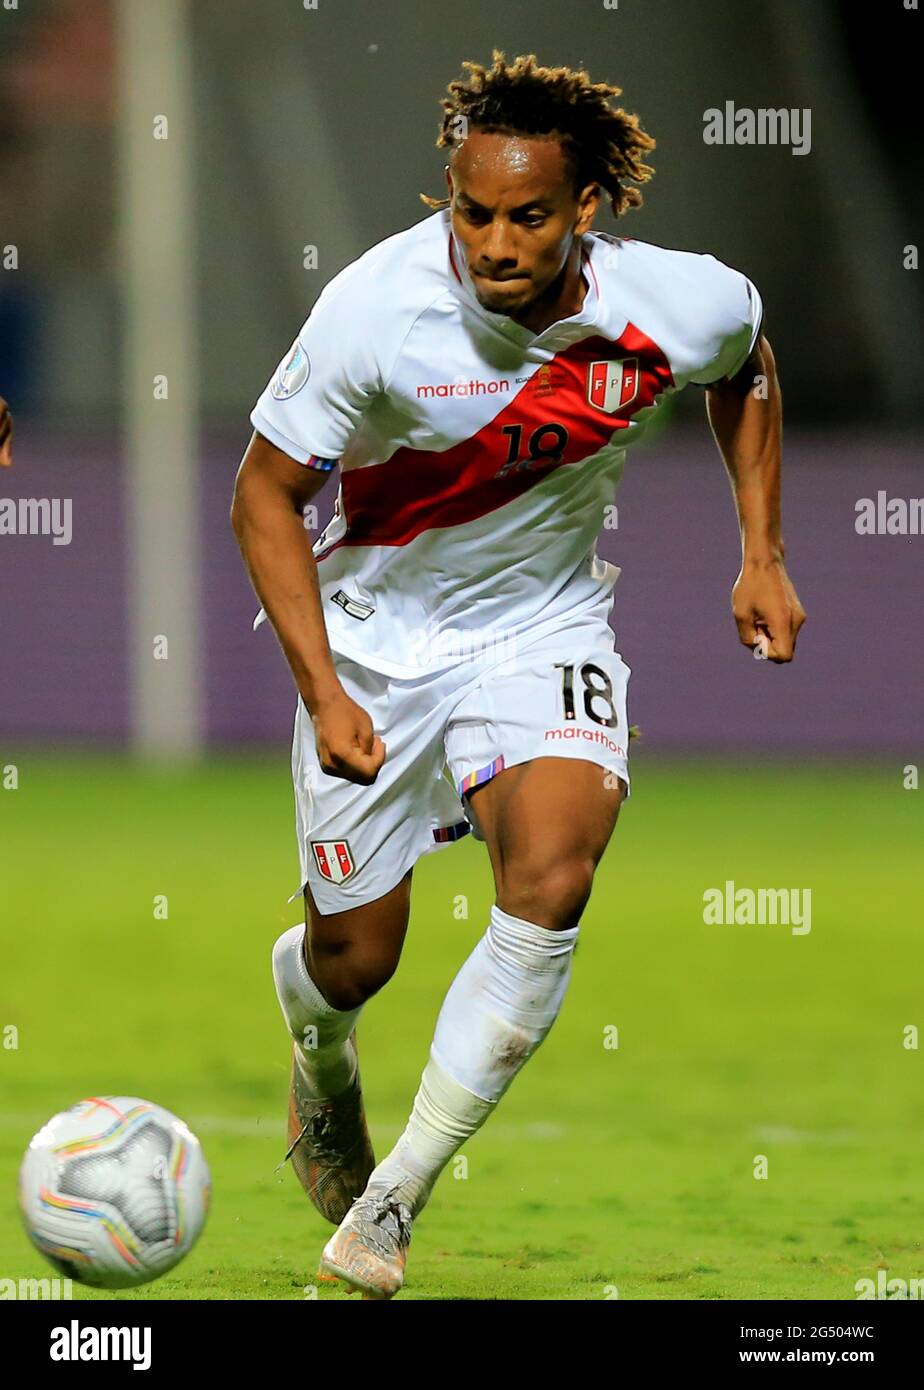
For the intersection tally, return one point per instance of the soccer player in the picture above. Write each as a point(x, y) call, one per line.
point(478, 378)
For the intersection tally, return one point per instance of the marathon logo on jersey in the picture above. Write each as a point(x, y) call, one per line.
point(461, 387)
point(334, 860)
point(611, 385)
point(291, 374)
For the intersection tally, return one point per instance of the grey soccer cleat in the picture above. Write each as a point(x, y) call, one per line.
point(329, 1143)
point(369, 1249)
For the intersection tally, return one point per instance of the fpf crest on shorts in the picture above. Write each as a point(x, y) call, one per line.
point(334, 860)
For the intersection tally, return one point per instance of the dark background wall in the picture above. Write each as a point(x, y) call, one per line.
point(318, 128)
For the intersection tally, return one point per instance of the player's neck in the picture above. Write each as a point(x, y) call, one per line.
point(563, 298)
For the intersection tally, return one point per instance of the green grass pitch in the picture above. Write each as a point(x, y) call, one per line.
point(627, 1168)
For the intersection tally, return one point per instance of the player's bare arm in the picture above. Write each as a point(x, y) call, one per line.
point(745, 414)
point(270, 493)
point(6, 435)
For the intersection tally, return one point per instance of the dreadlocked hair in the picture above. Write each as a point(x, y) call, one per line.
point(605, 145)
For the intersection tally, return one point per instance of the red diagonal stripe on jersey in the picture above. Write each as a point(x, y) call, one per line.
point(418, 489)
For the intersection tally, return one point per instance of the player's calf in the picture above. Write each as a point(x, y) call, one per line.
point(498, 1010)
point(329, 1141)
point(319, 1029)
point(353, 954)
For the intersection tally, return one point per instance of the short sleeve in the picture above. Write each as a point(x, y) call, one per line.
point(732, 326)
point(326, 381)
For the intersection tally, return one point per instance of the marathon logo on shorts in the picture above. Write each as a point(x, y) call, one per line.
point(611, 385)
point(587, 736)
point(334, 860)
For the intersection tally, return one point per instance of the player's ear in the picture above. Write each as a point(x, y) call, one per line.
point(588, 202)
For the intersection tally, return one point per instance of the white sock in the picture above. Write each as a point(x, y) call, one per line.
point(326, 1063)
point(498, 1009)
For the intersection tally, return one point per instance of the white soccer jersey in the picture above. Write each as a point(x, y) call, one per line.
point(477, 458)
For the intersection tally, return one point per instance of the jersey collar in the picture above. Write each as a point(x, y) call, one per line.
point(563, 330)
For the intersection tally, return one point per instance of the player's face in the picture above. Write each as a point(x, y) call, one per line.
point(515, 211)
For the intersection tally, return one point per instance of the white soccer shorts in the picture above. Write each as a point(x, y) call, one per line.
point(446, 733)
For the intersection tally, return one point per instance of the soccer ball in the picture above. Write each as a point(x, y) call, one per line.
point(114, 1191)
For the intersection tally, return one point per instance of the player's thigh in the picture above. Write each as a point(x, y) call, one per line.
point(540, 750)
point(548, 818)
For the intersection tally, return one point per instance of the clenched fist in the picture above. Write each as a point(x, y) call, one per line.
point(347, 744)
point(766, 605)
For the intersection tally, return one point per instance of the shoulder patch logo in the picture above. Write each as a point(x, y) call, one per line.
point(292, 373)
point(334, 860)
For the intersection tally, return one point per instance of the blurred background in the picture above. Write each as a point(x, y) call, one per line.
point(154, 274)
point(178, 181)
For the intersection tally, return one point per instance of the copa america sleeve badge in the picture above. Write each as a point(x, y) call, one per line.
point(291, 374)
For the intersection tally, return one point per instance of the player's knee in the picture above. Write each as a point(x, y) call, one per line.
point(349, 982)
point(551, 895)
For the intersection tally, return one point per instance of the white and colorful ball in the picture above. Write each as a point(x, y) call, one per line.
point(115, 1191)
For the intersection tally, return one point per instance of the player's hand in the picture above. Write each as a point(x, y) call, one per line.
point(347, 744)
point(6, 435)
point(767, 609)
